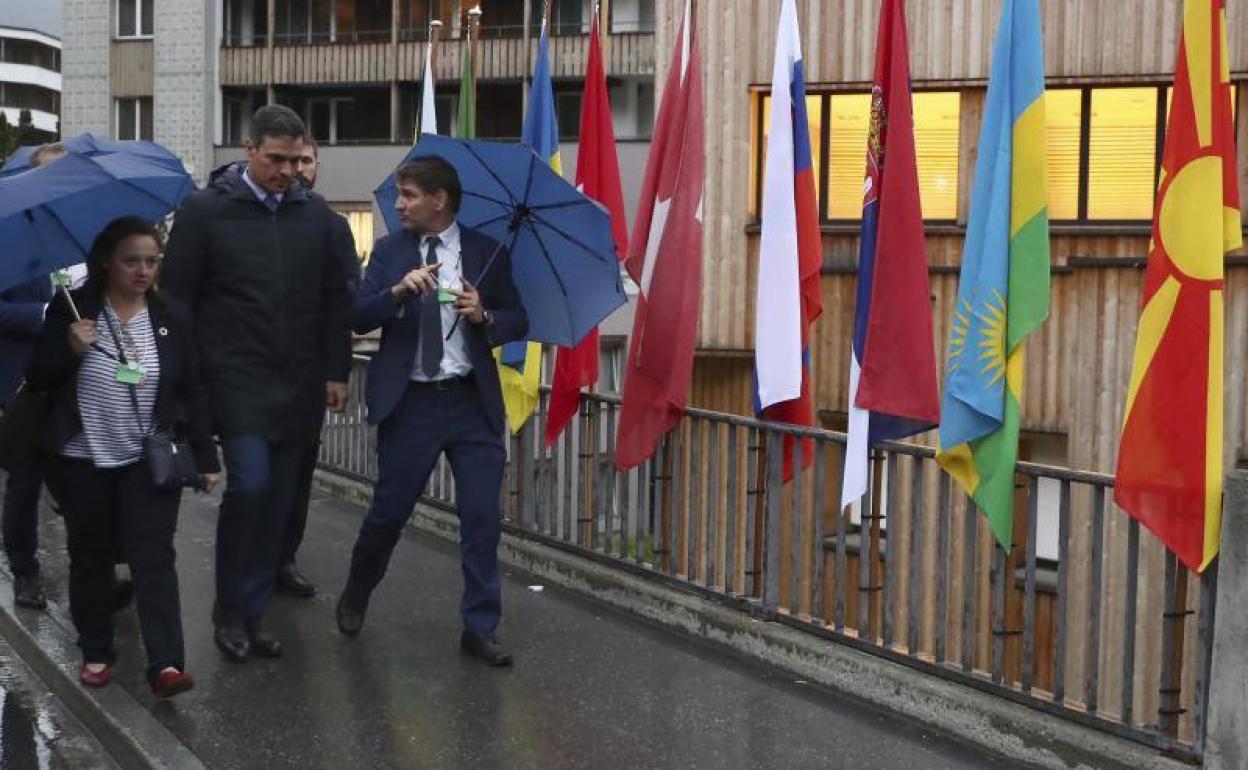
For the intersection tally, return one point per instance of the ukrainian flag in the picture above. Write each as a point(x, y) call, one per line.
point(520, 363)
point(1003, 290)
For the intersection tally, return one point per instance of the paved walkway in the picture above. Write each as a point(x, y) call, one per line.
point(591, 688)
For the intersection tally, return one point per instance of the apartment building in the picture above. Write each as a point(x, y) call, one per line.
point(30, 64)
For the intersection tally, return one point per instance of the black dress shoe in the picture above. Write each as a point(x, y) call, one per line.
point(123, 594)
point(292, 582)
point(28, 592)
point(263, 644)
point(484, 647)
point(230, 634)
point(350, 618)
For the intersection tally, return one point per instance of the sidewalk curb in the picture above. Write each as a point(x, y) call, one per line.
point(128, 731)
point(1026, 736)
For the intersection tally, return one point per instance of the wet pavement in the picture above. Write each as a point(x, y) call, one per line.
point(592, 688)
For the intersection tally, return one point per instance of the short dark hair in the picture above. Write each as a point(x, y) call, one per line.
point(276, 121)
point(107, 242)
point(432, 173)
point(309, 141)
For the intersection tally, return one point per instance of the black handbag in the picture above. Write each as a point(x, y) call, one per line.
point(170, 463)
point(21, 429)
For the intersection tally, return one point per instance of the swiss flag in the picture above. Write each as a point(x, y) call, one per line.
point(665, 259)
point(597, 176)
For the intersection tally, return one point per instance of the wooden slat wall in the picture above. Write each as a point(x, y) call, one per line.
point(130, 68)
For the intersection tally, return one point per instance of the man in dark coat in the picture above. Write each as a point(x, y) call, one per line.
point(252, 255)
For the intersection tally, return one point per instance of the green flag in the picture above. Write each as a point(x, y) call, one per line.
point(466, 120)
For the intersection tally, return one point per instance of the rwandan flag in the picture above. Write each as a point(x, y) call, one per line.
point(1170, 459)
point(790, 251)
point(520, 363)
point(1003, 292)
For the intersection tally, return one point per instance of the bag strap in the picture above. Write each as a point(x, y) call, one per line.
point(121, 356)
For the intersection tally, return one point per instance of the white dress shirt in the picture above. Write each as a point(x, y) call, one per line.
point(455, 361)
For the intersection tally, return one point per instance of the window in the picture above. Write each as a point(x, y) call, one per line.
point(568, 112)
point(134, 118)
point(134, 18)
point(1063, 115)
point(331, 21)
point(360, 218)
point(30, 52)
point(840, 123)
point(245, 23)
point(415, 15)
point(631, 16)
point(567, 17)
point(22, 96)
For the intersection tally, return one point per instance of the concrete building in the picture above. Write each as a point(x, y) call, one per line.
point(189, 74)
point(30, 63)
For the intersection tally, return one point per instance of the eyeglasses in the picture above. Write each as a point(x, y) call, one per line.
point(135, 261)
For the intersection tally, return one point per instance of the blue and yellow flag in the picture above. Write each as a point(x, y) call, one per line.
point(1003, 291)
point(520, 363)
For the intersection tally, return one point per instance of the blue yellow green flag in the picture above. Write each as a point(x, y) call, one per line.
point(1003, 291)
point(520, 363)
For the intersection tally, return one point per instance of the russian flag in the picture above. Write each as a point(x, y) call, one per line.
point(790, 250)
point(892, 374)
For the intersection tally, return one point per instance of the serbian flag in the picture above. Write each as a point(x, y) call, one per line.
point(1170, 458)
point(892, 369)
point(790, 250)
point(597, 176)
point(665, 259)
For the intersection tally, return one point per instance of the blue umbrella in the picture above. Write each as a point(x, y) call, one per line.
point(563, 257)
point(89, 144)
point(50, 215)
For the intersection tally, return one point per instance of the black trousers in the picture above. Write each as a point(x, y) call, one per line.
point(299, 506)
point(20, 519)
point(104, 506)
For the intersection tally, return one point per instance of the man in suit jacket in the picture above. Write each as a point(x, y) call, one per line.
point(21, 320)
point(433, 388)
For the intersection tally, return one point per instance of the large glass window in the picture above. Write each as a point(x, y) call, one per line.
point(631, 16)
point(1063, 116)
point(134, 18)
point(1122, 153)
point(847, 146)
point(332, 21)
point(244, 22)
point(30, 52)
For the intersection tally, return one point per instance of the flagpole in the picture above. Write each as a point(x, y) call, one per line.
point(474, 24)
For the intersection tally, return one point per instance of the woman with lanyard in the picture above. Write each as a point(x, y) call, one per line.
point(128, 368)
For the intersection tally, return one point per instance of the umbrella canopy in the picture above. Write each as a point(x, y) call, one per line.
point(50, 215)
point(89, 144)
point(563, 256)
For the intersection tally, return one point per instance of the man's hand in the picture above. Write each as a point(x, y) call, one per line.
point(336, 396)
point(207, 481)
point(418, 281)
point(468, 304)
point(82, 335)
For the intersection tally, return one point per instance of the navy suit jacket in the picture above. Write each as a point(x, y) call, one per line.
point(21, 320)
point(391, 367)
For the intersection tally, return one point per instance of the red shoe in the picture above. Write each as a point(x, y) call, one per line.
point(170, 682)
point(95, 678)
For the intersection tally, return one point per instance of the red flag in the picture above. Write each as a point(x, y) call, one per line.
point(598, 176)
point(665, 259)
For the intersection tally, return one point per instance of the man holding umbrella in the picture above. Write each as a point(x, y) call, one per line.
point(253, 256)
point(433, 388)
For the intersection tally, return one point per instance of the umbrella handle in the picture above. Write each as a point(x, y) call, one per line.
point(488, 264)
point(65, 291)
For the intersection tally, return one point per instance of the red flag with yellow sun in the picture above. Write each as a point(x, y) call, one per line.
point(1170, 458)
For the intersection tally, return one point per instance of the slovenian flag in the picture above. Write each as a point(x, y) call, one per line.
point(790, 250)
point(892, 370)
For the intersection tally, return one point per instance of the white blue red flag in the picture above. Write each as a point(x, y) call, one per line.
point(892, 371)
point(790, 250)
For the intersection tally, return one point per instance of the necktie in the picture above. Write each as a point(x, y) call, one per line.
point(272, 202)
point(430, 319)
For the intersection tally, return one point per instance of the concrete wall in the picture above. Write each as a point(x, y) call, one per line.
point(85, 101)
point(185, 92)
point(1227, 747)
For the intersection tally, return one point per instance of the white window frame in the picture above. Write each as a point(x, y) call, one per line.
point(138, 116)
point(138, 22)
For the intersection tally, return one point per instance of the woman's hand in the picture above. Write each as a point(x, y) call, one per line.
point(208, 481)
point(82, 335)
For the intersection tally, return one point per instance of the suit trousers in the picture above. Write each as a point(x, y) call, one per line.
point(262, 477)
point(427, 422)
point(102, 506)
point(20, 519)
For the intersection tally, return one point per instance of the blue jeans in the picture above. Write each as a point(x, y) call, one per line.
point(261, 481)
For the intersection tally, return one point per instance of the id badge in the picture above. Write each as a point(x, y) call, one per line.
point(448, 289)
point(62, 278)
point(129, 373)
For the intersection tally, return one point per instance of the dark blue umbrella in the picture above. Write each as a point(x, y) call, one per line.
point(563, 257)
point(50, 215)
point(90, 145)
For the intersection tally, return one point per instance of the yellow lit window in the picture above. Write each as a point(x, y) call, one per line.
point(850, 125)
point(936, 136)
point(1062, 114)
point(1122, 153)
point(814, 120)
point(361, 221)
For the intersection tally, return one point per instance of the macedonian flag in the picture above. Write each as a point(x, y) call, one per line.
point(1170, 459)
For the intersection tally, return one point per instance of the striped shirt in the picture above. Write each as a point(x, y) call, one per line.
point(111, 435)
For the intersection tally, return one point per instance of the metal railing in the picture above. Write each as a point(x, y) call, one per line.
point(1114, 633)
